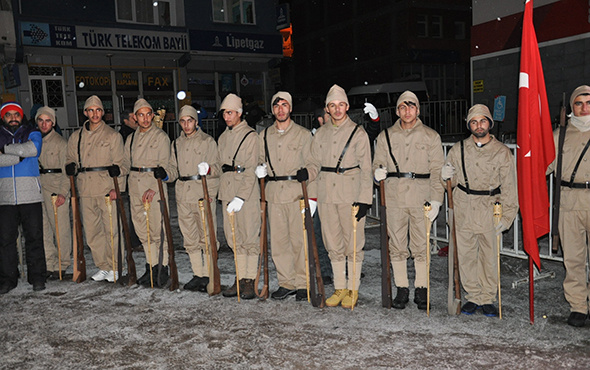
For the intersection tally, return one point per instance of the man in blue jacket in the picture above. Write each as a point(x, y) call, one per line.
point(20, 199)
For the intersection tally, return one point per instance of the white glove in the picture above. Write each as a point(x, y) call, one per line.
point(433, 213)
point(203, 168)
point(447, 172)
point(261, 171)
point(371, 111)
point(313, 205)
point(380, 174)
point(500, 228)
point(235, 205)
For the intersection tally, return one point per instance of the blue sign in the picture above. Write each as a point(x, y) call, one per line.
point(499, 108)
point(233, 42)
point(36, 34)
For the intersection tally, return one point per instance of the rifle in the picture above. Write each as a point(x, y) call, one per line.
point(318, 299)
point(214, 286)
point(131, 273)
point(385, 261)
point(168, 229)
point(454, 302)
point(263, 247)
point(79, 259)
point(557, 186)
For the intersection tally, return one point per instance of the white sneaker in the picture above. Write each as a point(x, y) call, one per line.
point(100, 275)
point(111, 276)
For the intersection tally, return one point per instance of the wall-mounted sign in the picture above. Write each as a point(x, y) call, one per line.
point(499, 108)
point(157, 81)
point(82, 37)
point(478, 86)
point(220, 41)
point(127, 81)
point(93, 81)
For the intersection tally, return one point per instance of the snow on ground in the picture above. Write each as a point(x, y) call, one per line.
point(100, 325)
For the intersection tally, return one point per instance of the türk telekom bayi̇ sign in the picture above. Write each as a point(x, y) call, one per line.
point(82, 37)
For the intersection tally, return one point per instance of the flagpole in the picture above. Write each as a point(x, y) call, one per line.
point(531, 292)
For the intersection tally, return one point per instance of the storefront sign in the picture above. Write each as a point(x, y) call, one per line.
point(93, 81)
point(82, 37)
point(127, 81)
point(158, 82)
point(236, 42)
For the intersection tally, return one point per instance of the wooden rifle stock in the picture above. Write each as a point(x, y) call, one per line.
point(214, 280)
point(79, 259)
point(456, 277)
point(263, 247)
point(557, 186)
point(386, 300)
point(318, 299)
point(171, 261)
point(131, 272)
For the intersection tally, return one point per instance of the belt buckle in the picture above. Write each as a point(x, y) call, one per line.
point(239, 169)
point(587, 183)
point(412, 175)
point(339, 170)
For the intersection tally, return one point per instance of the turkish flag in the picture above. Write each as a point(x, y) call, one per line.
point(536, 149)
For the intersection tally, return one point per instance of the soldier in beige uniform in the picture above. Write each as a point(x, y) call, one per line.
point(482, 171)
point(340, 164)
point(284, 148)
point(409, 157)
point(194, 155)
point(148, 153)
point(240, 193)
point(574, 210)
point(96, 154)
point(54, 181)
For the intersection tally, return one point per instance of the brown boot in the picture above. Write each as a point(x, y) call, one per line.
point(247, 289)
point(232, 291)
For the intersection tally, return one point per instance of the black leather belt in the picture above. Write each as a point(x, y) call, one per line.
point(188, 178)
point(143, 169)
point(409, 175)
point(282, 178)
point(49, 170)
point(575, 185)
point(338, 169)
point(480, 192)
point(92, 169)
point(229, 168)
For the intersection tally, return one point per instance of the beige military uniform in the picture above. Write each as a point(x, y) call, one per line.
point(102, 147)
point(287, 153)
point(417, 150)
point(148, 150)
point(574, 217)
point(187, 153)
point(488, 167)
point(337, 192)
point(244, 185)
point(54, 180)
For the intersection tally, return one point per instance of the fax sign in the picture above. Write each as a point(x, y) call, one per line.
point(499, 108)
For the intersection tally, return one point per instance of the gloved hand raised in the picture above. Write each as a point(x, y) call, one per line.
point(371, 111)
point(261, 171)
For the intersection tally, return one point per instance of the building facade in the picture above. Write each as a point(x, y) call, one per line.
point(563, 33)
point(124, 49)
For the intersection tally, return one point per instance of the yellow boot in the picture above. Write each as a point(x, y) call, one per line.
point(351, 298)
point(337, 297)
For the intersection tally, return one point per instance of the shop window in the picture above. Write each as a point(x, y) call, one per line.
point(161, 13)
point(234, 11)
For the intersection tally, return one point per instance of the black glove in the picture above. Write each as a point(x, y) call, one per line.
point(363, 208)
point(71, 169)
point(302, 175)
point(114, 171)
point(160, 173)
point(227, 168)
